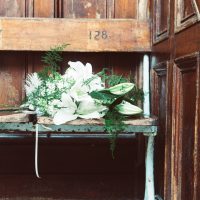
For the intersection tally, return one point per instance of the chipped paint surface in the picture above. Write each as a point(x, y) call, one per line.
point(87, 5)
point(9, 95)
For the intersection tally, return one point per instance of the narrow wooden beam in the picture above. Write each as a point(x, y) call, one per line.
point(83, 35)
point(14, 118)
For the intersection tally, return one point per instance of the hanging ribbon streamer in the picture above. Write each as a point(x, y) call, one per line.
point(36, 151)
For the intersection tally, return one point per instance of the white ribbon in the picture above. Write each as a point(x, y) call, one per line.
point(36, 151)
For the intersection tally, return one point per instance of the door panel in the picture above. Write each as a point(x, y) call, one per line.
point(160, 103)
point(161, 20)
point(182, 152)
point(186, 14)
point(185, 135)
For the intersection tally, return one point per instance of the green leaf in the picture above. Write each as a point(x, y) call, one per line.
point(103, 97)
point(114, 124)
point(52, 59)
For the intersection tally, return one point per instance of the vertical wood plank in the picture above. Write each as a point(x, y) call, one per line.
point(29, 8)
point(84, 9)
point(143, 8)
point(110, 9)
point(44, 8)
point(126, 8)
point(12, 71)
point(12, 8)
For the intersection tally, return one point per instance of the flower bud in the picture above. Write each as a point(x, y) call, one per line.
point(121, 88)
point(127, 108)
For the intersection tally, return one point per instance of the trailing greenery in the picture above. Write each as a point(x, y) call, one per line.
point(114, 124)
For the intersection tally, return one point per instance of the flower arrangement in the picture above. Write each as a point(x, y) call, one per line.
point(79, 93)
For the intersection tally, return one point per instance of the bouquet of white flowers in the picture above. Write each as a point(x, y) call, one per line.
point(69, 96)
point(79, 93)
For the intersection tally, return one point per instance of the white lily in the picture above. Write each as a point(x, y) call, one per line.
point(89, 109)
point(64, 115)
point(79, 91)
point(67, 112)
point(96, 84)
point(78, 71)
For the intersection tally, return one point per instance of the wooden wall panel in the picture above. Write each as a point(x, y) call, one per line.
point(143, 10)
point(44, 8)
point(186, 13)
point(84, 9)
point(126, 8)
point(12, 8)
point(161, 17)
point(12, 72)
point(160, 90)
point(136, 9)
point(182, 125)
point(185, 135)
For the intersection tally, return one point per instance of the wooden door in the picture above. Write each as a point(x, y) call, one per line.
point(175, 99)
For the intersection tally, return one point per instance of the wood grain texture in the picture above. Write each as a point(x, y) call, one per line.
point(12, 8)
point(84, 9)
point(135, 122)
point(159, 109)
point(12, 74)
point(186, 14)
point(143, 10)
point(18, 117)
point(181, 51)
point(185, 130)
point(41, 34)
point(126, 9)
point(161, 23)
point(44, 8)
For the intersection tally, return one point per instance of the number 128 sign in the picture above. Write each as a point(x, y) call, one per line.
point(98, 35)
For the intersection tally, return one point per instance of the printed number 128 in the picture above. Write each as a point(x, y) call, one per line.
point(98, 35)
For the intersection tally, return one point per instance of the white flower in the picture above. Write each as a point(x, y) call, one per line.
point(32, 83)
point(79, 91)
point(89, 109)
point(54, 106)
point(68, 102)
point(96, 84)
point(78, 72)
point(67, 112)
point(50, 86)
point(64, 115)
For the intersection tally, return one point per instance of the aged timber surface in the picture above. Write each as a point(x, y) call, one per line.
point(83, 35)
point(13, 117)
point(26, 123)
point(132, 122)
